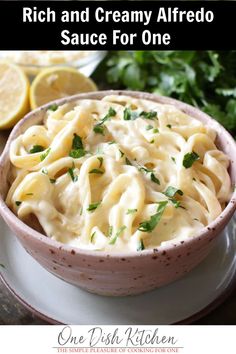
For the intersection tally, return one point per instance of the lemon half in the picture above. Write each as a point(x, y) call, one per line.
point(58, 82)
point(14, 94)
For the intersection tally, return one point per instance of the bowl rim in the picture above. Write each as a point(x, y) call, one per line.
point(170, 245)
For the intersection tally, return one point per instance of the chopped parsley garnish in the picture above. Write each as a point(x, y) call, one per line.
point(190, 158)
point(129, 114)
point(76, 154)
point(29, 193)
point(152, 176)
point(148, 115)
point(112, 142)
point(100, 159)
point(52, 180)
point(111, 113)
point(155, 179)
point(36, 148)
point(99, 129)
point(118, 233)
point(92, 236)
point(18, 202)
point(72, 175)
point(77, 149)
point(131, 211)
point(93, 206)
point(97, 171)
point(155, 130)
point(140, 246)
point(149, 127)
point(53, 107)
point(77, 142)
point(152, 141)
point(149, 225)
point(127, 161)
point(110, 231)
point(176, 203)
point(173, 159)
point(44, 171)
point(194, 179)
point(147, 170)
point(169, 126)
point(2, 265)
point(121, 153)
point(43, 156)
point(172, 191)
point(81, 211)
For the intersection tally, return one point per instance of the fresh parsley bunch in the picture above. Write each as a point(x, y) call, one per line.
point(206, 79)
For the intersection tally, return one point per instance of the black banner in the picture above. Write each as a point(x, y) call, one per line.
point(162, 25)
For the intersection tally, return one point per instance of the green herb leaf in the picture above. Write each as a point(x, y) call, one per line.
point(131, 211)
point(2, 265)
point(52, 180)
point(118, 233)
point(172, 191)
point(44, 171)
point(77, 142)
point(99, 129)
point(93, 206)
point(29, 194)
point(92, 236)
point(129, 114)
point(121, 153)
point(96, 171)
point(140, 246)
point(149, 225)
point(76, 154)
point(146, 170)
point(190, 158)
point(18, 202)
point(72, 175)
point(173, 159)
point(127, 161)
point(169, 126)
point(111, 113)
point(43, 156)
point(53, 107)
point(155, 130)
point(100, 159)
point(110, 231)
point(36, 148)
point(175, 202)
point(77, 148)
point(155, 179)
point(148, 115)
point(149, 127)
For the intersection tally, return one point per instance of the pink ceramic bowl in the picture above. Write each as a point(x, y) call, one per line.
point(123, 273)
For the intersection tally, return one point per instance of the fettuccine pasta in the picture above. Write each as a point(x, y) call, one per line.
point(118, 174)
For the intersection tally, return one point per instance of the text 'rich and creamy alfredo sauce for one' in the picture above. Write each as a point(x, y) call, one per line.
point(118, 174)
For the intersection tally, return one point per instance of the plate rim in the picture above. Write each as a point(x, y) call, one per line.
point(221, 298)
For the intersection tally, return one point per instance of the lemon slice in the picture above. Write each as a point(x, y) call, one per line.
point(14, 94)
point(58, 82)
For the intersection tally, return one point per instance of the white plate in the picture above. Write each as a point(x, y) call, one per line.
point(57, 301)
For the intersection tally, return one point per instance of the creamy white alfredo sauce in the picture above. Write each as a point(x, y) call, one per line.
point(118, 174)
